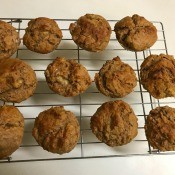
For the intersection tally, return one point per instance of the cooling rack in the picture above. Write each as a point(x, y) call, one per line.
point(84, 105)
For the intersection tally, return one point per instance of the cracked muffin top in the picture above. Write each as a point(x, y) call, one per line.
point(17, 80)
point(91, 32)
point(116, 78)
point(66, 77)
point(56, 130)
point(160, 128)
point(135, 33)
point(158, 75)
point(42, 35)
point(11, 130)
point(114, 123)
point(9, 40)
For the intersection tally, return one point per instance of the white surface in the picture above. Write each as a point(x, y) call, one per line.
point(151, 165)
point(155, 10)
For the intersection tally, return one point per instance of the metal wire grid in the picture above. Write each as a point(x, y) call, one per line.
point(140, 100)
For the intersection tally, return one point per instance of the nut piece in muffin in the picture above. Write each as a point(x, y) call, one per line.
point(116, 79)
point(114, 123)
point(135, 33)
point(42, 35)
point(160, 128)
point(56, 130)
point(67, 77)
point(158, 75)
point(17, 80)
point(9, 40)
point(11, 130)
point(91, 32)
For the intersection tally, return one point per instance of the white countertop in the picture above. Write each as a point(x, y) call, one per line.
point(154, 10)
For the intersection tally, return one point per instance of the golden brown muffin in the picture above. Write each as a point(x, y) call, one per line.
point(158, 75)
point(135, 33)
point(56, 130)
point(67, 77)
point(11, 130)
point(116, 78)
point(160, 128)
point(9, 40)
point(114, 123)
point(17, 80)
point(91, 32)
point(42, 35)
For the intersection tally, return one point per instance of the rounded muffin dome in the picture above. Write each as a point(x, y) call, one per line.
point(56, 130)
point(114, 123)
point(135, 33)
point(91, 32)
point(17, 80)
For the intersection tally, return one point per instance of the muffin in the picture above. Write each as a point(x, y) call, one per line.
point(42, 35)
point(9, 40)
point(114, 123)
point(160, 128)
point(91, 32)
point(158, 75)
point(116, 79)
point(56, 130)
point(135, 33)
point(11, 130)
point(17, 80)
point(67, 77)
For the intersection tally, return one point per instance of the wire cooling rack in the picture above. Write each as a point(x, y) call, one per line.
point(84, 105)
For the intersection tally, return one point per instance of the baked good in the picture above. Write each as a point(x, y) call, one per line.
point(67, 77)
point(17, 80)
point(135, 33)
point(115, 78)
point(158, 75)
point(114, 123)
point(42, 35)
point(56, 130)
point(160, 128)
point(91, 32)
point(11, 130)
point(9, 40)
